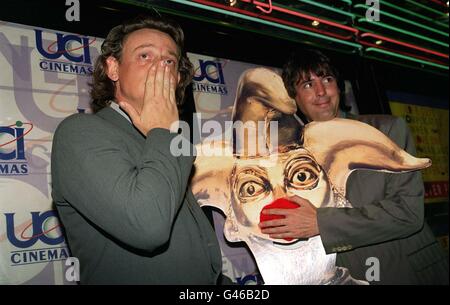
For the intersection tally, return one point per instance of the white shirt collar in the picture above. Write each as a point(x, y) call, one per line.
point(117, 108)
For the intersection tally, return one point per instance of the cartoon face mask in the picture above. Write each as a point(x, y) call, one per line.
point(312, 161)
point(254, 186)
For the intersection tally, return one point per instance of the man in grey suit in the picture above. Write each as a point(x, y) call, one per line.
point(385, 228)
point(122, 196)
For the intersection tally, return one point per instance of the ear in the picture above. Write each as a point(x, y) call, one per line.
point(211, 179)
point(341, 146)
point(112, 69)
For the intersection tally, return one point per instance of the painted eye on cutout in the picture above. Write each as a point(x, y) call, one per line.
point(303, 178)
point(250, 189)
point(250, 184)
point(302, 173)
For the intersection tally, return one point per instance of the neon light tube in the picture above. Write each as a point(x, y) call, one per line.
point(413, 13)
point(404, 20)
point(299, 26)
point(230, 13)
point(404, 32)
point(409, 65)
point(406, 57)
point(384, 38)
point(276, 20)
point(368, 44)
point(292, 12)
point(425, 7)
point(327, 7)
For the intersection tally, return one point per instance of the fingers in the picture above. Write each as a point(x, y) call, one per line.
point(150, 81)
point(172, 88)
point(272, 223)
point(159, 78)
point(161, 83)
point(275, 230)
point(276, 212)
point(166, 83)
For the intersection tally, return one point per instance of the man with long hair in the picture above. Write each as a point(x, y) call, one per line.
point(121, 194)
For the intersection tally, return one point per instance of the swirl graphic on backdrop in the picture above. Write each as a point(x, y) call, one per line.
point(70, 50)
point(18, 124)
point(31, 237)
point(57, 93)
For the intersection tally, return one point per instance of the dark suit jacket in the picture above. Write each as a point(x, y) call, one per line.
point(386, 222)
point(123, 200)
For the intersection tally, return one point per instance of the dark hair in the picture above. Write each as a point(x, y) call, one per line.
point(102, 87)
point(301, 64)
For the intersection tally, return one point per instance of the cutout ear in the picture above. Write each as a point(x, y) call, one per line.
point(341, 146)
point(211, 179)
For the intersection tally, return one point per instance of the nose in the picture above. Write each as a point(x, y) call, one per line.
point(319, 89)
point(278, 192)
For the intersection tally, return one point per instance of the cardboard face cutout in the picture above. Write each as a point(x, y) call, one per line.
point(312, 161)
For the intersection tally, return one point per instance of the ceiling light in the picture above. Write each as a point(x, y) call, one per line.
point(231, 2)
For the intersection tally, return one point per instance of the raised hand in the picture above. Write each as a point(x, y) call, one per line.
point(159, 108)
point(297, 223)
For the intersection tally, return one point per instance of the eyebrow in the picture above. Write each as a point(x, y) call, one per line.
point(150, 45)
point(305, 81)
point(301, 82)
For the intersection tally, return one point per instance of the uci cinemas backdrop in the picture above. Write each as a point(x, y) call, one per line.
point(44, 78)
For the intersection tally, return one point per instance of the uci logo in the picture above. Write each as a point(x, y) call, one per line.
point(64, 47)
point(210, 70)
point(18, 135)
point(42, 230)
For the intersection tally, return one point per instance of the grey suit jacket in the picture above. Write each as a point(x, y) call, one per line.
point(386, 222)
point(125, 206)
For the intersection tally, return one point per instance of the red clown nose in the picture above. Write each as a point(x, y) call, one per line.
point(280, 203)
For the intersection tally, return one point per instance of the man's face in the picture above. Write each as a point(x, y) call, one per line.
point(318, 97)
point(141, 49)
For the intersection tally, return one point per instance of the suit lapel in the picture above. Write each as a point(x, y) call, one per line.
point(120, 122)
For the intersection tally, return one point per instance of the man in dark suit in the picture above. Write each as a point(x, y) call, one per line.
point(383, 239)
point(121, 194)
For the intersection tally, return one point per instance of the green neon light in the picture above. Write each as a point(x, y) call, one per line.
point(233, 14)
point(406, 57)
point(315, 15)
point(327, 7)
point(425, 7)
point(230, 25)
point(349, 2)
point(177, 13)
point(403, 19)
point(413, 13)
point(404, 32)
point(410, 66)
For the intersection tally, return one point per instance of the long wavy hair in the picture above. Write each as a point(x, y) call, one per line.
point(103, 88)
